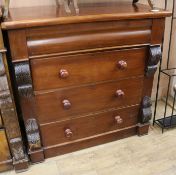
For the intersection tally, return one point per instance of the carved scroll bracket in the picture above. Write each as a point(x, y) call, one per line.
point(34, 141)
point(33, 135)
point(155, 55)
point(145, 116)
point(24, 80)
point(146, 111)
point(27, 101)
point(35, 149)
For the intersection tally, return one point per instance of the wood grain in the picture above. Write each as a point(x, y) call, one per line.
point(46, 72)
point(71, 77)
point(64, 38)
point(87, 99)
point(158, 28)
point(87, 126)
point(18, 46)
point(27, 102)
point(50, 15)
point(89, 142)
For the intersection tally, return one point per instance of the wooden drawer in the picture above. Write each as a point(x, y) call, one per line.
point(87, 99)
point(78, 128)
point(77, 145)
point(65, 71)
point(73, 37)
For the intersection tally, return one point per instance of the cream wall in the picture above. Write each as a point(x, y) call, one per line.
point(159, 3)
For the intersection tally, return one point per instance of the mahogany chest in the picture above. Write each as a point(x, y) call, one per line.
point(86, 79)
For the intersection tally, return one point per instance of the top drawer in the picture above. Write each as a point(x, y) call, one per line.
point(74, 37)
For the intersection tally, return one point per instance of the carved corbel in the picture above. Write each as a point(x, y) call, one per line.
point(145, 116)
point(34, 139)
point(27, 101)
point(33, 135)
point(155, 56)
point(23, 80)
point(146, 111)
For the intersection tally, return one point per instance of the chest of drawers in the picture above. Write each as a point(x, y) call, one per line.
point(86, 79)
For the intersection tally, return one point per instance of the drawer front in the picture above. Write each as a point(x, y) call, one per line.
point(60, 72)
point(4, 148)
point(74, 37)
point(64, 103)
point(67, 131)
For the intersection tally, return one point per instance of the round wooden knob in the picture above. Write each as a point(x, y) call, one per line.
point(122, 65)
point(66, 104)
point(64, 73)
point(119, 120)
point(120, 93)
point(68, 133)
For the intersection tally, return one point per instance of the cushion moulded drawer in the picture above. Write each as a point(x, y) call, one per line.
point(74, 37)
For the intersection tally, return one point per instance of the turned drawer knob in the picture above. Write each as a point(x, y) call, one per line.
point(122, 65)
point(66, 104)
point(64, 73)
point(120, 93)
point(119, 120)
point(68, 133)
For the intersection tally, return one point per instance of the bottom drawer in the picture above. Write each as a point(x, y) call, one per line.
point(67, 131)
point(5, 156)
point(89, 142)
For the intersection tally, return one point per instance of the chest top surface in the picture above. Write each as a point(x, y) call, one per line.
point(89, 12)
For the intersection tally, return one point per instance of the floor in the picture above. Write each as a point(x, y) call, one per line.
point(154, 154)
